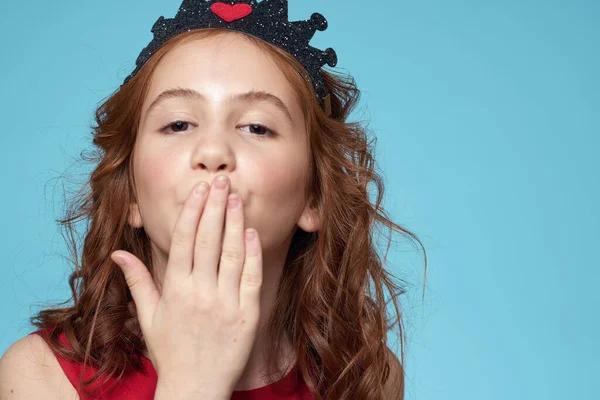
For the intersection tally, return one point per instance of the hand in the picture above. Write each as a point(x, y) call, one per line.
point(201, 329)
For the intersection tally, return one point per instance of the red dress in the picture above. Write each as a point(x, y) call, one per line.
point(142, 385)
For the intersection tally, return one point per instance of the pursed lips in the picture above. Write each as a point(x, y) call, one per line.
point(231, 191)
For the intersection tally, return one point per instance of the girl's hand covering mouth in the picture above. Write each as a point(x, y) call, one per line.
point(202, 327)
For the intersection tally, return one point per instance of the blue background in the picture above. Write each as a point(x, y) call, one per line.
point(486, 115)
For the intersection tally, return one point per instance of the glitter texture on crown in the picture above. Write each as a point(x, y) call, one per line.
point(266, 20)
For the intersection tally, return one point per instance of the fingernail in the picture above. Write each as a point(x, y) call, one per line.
point(221, 182)
point(250, 235)
point(201, 188)
point(119, 258)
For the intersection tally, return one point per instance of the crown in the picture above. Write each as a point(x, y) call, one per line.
point(266, 20)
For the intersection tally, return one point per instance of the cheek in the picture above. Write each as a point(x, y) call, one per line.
point(280, 179)
point(153, 171)
point(150, 176)
point(277, 197)
point(155, 184)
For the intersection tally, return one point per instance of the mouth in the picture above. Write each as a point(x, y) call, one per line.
point(230, 192)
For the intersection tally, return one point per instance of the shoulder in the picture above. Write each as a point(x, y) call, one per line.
point(29, 370)
point(394, 386)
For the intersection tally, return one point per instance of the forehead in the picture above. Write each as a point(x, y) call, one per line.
point(219, 67)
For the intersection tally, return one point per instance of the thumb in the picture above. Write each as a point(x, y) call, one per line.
point(142, 287)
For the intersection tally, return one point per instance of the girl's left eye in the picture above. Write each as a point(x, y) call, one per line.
point(267, 131)
point(181, 125)
point(177, 124)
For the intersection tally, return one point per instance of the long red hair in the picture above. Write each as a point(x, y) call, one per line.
point(331, 302)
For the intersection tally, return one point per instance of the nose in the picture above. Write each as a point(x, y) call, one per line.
point(213, 152)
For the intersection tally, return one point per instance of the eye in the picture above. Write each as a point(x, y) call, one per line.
point(257, 127)
point(257, 130)
point(177, 125)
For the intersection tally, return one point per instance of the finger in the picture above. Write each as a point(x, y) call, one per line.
point(140, 283)
point(181, 251)
point(207, 249)
point(252, 274)
point(232, 252)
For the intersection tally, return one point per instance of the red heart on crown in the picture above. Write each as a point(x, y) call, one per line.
point(230, 12)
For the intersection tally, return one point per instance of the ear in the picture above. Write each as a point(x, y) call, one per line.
point(134, 218)
point(310, 220)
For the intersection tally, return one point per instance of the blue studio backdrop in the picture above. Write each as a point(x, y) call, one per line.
point(487, 118)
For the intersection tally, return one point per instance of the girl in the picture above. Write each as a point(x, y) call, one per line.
point(171, 300)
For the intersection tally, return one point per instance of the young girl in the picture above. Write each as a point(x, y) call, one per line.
point(174, 298)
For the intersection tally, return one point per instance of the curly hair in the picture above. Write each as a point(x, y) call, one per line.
point(325, 302)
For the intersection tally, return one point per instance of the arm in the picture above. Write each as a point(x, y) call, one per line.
point(29, 370)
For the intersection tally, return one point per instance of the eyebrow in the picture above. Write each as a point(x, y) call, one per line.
point(251, 96)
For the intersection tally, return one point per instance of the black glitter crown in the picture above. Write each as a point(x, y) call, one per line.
point(267, 20)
